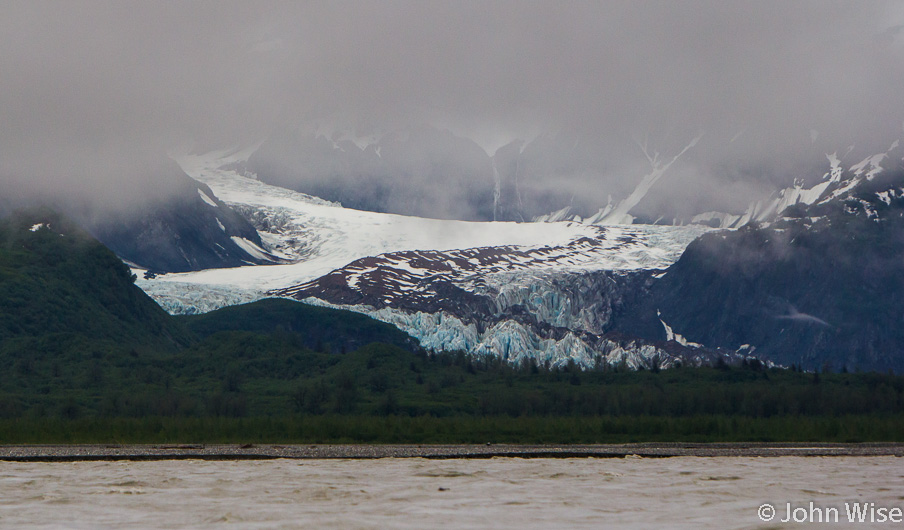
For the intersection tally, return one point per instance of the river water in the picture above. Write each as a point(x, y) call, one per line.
point(683, 492)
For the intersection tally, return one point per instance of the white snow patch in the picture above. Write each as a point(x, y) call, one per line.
point(848, 186)
point(558, 215)
point(869, 166)
point(670, 335)
point(250, 248)
point(620, 214)
point(206, 198)
point(725, 220)
point(835, 165)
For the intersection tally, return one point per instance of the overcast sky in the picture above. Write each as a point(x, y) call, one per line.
point(87, 89)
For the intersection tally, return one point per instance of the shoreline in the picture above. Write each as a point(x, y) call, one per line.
point(152, 452)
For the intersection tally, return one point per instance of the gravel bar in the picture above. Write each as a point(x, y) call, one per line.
point(72, 453)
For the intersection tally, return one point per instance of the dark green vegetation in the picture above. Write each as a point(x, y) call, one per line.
point(87, 357)
point(457, 429)
point(380, 394)
point(317, 328)
point(64, 293)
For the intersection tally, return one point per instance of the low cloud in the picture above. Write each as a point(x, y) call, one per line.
point(90, 91)
point(797, 316)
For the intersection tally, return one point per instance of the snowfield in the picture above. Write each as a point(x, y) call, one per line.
point(545, 290)
point(318, 236)
point(399, 260)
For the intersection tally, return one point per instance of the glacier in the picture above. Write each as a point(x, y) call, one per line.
point(542, 291)
point(193, 298)
point(519, 344)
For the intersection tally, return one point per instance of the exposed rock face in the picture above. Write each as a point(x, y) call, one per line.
point(191, 229)
point(823, 285)
point(163, 222)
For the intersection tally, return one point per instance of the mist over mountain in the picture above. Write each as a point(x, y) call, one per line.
point(190, 229)
point(199, 140)
point(421, 171)
point(163, 222)
point(429, 172)
point(91, 91)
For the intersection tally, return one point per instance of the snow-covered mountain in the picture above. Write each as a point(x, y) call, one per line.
point(515, 290)
point(552, 302)
point(836, 182)
point(589, 290)
point(819, 282)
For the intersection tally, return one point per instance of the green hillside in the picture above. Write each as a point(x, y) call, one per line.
point(319, 328)
point(86, 356)
point(77, 336)
point(61, 290)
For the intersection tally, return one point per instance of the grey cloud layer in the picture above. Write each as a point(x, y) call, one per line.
point(89, 88)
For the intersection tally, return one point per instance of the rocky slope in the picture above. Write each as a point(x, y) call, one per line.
point(821, 286)
point(189, 229)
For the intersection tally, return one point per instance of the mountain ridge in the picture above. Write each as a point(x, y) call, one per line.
point(819, 287)
point(456, 297)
